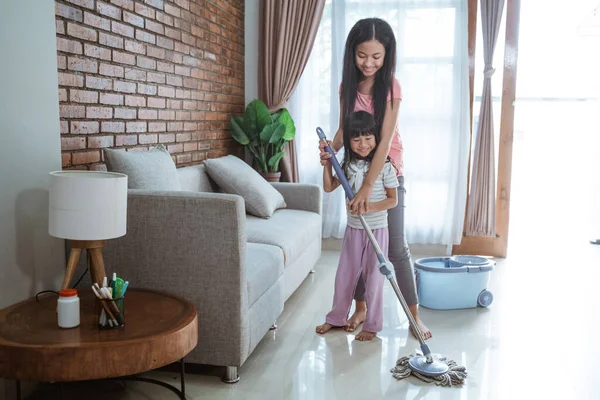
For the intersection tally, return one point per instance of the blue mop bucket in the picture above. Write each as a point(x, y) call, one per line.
point(450, 283)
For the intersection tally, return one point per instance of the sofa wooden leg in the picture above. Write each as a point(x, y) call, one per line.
point(231, 375)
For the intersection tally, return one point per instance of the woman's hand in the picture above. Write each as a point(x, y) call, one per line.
point(372, 207)
point(360, 203)
point(324, 154)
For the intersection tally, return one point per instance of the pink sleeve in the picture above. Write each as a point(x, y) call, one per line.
point(397, 91)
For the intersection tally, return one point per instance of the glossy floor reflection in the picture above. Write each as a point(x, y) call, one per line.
point(538, 339)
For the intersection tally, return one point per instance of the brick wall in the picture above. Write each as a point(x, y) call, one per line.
point(136, 73)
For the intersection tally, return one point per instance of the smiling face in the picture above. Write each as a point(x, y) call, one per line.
point(369, 57)
point(363, 145)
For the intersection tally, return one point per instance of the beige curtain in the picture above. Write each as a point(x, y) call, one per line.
point(481, 212)
point(287, 34)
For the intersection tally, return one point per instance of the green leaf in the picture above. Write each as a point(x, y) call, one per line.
point(276, 115)
point(239, 119)
point(288, 122)
point(274, 161)
point(277, 133)
point(263, 116)
point(265, 134)
point(250, 124)
point(237, 132)
point(272, 132)
point(256, 117)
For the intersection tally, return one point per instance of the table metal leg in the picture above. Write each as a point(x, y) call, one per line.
point(172, 388)
point(182, 372)
point(179, 393)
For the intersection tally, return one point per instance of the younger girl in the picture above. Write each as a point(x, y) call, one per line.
point(358, 258)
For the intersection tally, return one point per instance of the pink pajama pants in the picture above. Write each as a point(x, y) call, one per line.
point(359, 258)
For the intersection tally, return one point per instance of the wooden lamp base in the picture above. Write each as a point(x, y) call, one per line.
point(94, 247)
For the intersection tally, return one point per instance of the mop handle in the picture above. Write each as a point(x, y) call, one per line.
point(380, 257)
point(382, 260)
point(336, 166)
point(385, 271)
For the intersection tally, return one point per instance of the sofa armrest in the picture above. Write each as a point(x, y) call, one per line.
point(191, 244)
point(301, 196)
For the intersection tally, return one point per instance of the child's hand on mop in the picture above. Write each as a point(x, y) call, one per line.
point(324, 154)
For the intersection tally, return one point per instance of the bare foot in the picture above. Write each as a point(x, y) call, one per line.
point(359, 316)
point(364, 336)
point(414, 310)
point(324, 328)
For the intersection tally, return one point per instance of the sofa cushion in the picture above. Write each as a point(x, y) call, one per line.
point(290, 230)
point(195, 179)
point(264, 265)
point(148, 170)
point(234, 176)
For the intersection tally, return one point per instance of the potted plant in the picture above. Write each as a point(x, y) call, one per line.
point(264, 135)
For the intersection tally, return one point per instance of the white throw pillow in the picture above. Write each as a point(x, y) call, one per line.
point(234, 176)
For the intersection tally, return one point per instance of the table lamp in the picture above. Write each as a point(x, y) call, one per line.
point(87, 207)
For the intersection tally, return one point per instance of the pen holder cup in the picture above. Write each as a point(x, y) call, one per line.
point(111, 313)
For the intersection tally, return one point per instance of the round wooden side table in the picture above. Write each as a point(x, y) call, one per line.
point(160, 329)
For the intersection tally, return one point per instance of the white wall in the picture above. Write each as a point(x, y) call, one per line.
point(30, 260)
point(251, 19)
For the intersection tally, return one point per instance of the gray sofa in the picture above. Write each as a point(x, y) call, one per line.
point(236, 268)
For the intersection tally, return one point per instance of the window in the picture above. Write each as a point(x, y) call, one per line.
point(432, 67)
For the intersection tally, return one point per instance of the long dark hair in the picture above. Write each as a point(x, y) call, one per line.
point(360, 123)
point(363, 31)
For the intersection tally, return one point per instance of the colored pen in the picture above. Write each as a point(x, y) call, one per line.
point(113, 284)
point(124, 288)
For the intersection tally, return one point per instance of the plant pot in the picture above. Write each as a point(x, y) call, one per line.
point(271, 176)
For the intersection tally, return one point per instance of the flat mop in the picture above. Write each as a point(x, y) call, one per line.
point(423, 365)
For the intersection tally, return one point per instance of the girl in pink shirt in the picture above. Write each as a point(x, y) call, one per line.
point(368, 84)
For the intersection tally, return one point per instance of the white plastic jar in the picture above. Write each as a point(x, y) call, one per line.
point(68, 308)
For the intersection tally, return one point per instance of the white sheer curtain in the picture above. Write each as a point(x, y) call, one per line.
point(432, 68)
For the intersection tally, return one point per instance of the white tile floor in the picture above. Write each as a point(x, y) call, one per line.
point(538, 339)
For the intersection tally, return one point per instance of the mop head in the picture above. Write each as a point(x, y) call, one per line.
point(455, 376)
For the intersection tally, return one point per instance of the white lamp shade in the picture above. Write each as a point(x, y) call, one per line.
point(88, 205)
